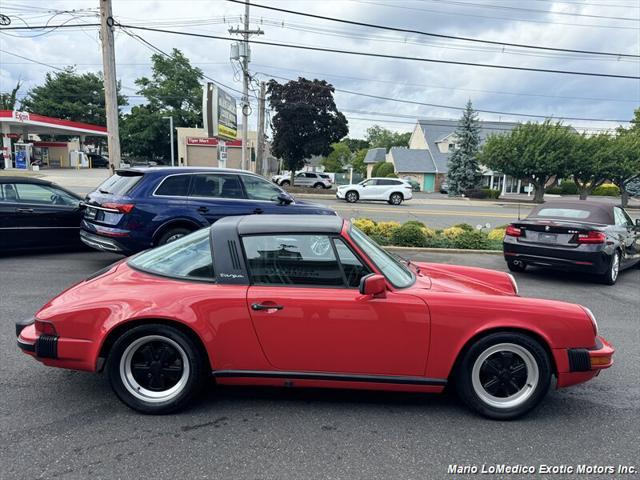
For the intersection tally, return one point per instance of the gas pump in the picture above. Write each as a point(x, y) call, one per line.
point(22, 155)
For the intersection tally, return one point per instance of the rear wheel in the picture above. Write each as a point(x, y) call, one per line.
point(351, 197)
point(318, 186)
point(504, 375)
point(285, 183)
point(156, 369)
point(611, 275)
point(516, 265)
point(172, 235)
point(395, 199)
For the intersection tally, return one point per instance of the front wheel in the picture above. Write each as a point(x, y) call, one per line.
point(504, 375)
point(395, 199)
point(285, 183)
point(156, 369)
point(318, 186)
point(351, 197)
point(611, 275)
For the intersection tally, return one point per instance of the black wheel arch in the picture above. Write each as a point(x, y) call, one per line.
point(175, 223)
point(523, 331)
point(123, 327)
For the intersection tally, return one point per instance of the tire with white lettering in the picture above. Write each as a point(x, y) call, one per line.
point(503, 375)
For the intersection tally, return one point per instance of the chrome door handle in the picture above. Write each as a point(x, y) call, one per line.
point(24, 210)
point(262, 306)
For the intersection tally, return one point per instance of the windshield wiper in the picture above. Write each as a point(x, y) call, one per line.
point(407, 261)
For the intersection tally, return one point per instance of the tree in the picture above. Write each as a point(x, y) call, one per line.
point(175, 90)
point(625, 157)
point(385, 170)
point(380, 137)
point(464, 171)
point(376, 167)
point(357, 161)
point(535, 152)
point(339, 157)
point(307, 121)
point(70, 96)
point(8, 100)
point(589, 162)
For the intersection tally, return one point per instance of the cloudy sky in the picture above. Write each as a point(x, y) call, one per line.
point(593, 25)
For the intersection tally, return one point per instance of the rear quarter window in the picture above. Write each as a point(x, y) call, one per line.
point(174, 186)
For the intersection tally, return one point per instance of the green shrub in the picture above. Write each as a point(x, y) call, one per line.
point(415, 222)
point(452, 232)
point(476, 193)
point(386, 229)
point(409, 235)
point(366, 225)
point(568, 188)
point(553, 190)
point(497, 234)
point(492, 193)
point(464, 226)
point(391, 175)
point(475, 239)
point(607, 190)
point(380, 240)
point(376, 167)
point(429, 232)
point(438, 241)
point(385, 169)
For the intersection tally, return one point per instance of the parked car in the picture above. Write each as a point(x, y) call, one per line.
point(415, 186)
point(391, 190)
point(584, 236)
point(306, 179)
point(633, 187)
point(36, 214)
point(98, 161)
point(308, 301)
point(140, 208)
point(444, 187)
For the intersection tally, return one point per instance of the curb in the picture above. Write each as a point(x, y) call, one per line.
point(440, 250)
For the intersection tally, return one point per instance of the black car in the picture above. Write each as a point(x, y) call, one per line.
point(36, 214)
point(583, 236)
point(98, 161)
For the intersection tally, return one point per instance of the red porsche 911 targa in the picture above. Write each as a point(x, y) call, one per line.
point(310, 301)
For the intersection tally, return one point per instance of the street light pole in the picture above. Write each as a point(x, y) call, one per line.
point(171, 135)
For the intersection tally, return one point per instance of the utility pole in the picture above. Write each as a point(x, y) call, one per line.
point(245, 54)
point(173, 163)
point(262, 161)
point(110, 86)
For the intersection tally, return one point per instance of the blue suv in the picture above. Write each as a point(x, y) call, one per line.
point(140, 208)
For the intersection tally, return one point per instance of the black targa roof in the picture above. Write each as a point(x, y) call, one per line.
point(255, 224)
point(601, 213)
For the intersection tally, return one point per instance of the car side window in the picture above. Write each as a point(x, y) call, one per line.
point(259, 189)
point(293, 260)
point(370, 183)
point(174, 186)
point(353, 268)
point(216, 186)
point(8, 193)
point(42, 194)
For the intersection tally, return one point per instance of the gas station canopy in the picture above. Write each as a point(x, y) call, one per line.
point(14, 122)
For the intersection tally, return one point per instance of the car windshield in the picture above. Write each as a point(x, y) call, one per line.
point(394, 271)
point(188, 257)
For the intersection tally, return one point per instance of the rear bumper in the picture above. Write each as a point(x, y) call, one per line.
point(578, 365)
point(105, 244)
point(53, 350)
point(565, 259)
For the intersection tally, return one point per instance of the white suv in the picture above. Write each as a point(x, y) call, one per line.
point(306, 179)
point(391, 190)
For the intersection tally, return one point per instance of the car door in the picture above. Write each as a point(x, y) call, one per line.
point(46, 216)
point(628, 234)
point(264, 195)
point(367, 189)
point(310, 317)
point(10, 233)
point(217, 195)
point(302, 179)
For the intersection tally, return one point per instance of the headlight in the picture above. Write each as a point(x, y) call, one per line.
point(594, 322)
point(513, 283)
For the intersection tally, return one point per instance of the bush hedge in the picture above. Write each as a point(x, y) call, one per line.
point(384, 170)
point(415, 234)
point(607, 190)
point(482, 193)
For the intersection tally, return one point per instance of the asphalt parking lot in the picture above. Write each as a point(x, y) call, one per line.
point(64, 424)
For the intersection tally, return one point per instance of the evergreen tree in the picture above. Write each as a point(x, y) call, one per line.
point(464, 172)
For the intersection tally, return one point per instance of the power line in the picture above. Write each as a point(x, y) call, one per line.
point(533, 10)
point(32, 60)
point(458, 14)
point(431, 34)
point(450, 107)
point(382, 55)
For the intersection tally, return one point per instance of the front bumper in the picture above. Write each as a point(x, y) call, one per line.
point(340, 194)
point(53, 350)
point(577, 365)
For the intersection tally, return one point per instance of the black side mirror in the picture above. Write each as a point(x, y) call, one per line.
point(284, 198)
point(637, 223)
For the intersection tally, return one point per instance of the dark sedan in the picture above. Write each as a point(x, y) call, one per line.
point(36, 214)
point(585, 236)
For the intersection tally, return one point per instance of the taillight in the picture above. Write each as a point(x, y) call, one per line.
point(592, 237)
point(45, 328)
point(513, 231)
point(121, 207)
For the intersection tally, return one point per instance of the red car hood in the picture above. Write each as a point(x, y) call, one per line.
point(471, 280)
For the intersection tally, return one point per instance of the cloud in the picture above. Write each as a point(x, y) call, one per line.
point(490, 89)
